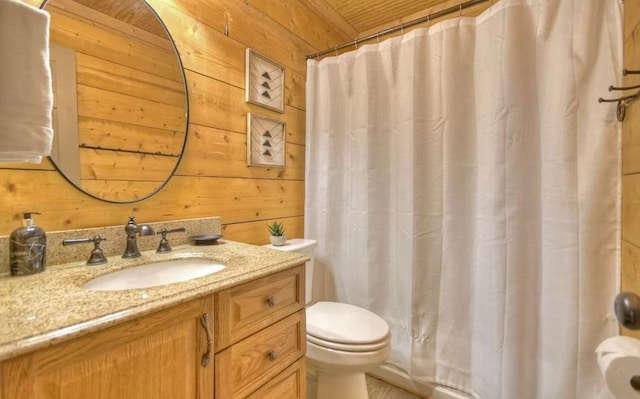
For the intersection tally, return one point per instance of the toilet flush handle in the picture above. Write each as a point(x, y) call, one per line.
point(271, 301)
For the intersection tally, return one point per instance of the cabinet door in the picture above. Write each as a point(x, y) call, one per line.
point(154, 357)
point(249, 364)
point(290, 384)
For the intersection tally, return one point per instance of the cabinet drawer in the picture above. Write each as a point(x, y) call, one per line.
point(248, 308)
point(249, 364)
point(290, 384)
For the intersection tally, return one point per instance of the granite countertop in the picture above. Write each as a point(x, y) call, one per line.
point(40, 310)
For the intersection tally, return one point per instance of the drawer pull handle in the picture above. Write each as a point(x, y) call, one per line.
point(271, 301)
point(204, 320)
point(273, 355)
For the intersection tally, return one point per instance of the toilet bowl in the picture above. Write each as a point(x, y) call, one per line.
point(343, 341)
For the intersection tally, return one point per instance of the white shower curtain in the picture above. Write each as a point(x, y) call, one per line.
point(463, 182)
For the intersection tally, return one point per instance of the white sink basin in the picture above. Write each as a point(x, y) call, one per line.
point(154, 274)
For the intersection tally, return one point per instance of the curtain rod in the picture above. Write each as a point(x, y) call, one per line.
point(396, 28)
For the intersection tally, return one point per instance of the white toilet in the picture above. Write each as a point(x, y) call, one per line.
point(343, 341)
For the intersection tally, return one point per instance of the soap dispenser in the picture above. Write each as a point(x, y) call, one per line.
point(27, 248)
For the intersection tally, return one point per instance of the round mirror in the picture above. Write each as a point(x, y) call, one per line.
point(120, 98)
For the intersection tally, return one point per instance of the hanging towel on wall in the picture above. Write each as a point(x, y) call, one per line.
point(26, 97)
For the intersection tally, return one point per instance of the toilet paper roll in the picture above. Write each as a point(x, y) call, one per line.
point(619, 361)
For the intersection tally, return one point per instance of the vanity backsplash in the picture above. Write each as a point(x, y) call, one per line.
point(115, 242)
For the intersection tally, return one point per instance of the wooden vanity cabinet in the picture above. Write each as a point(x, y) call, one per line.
point(260, 338)
point(256, 330)
point(156, 356)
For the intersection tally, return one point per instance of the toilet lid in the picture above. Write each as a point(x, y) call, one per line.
point(346, 326)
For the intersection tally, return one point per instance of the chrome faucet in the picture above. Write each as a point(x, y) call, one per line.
point(131, 251)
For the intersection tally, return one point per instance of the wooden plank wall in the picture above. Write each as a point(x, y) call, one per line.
point(630, 278)
point(213, 179)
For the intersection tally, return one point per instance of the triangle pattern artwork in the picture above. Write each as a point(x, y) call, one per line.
point(264, 82)
point(266, 144)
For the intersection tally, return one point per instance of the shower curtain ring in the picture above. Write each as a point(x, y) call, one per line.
point(429, 20)
point(356, 43)
point(336, 50)
point(402, 28)
point(460, 10)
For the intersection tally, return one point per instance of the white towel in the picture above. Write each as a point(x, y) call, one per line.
point(26, 97)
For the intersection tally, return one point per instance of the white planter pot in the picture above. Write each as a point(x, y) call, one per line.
point(278, 240)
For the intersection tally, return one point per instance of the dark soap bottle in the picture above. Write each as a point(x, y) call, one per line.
point(27, 248)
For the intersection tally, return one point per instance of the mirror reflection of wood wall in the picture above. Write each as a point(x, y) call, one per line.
point(65, 112)
point(131, 100)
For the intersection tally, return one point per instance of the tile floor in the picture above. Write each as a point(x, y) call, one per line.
point(379, 389)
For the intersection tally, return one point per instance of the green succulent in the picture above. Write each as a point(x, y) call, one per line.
point(276, 229)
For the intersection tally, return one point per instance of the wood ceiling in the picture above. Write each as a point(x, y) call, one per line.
point(364, 15)
point(369, 16)
point(133, 12)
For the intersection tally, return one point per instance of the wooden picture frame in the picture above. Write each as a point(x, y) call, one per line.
point(266, 141)
point(264, 81)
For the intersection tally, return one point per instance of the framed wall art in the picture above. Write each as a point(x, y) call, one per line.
point(264, 81)
point(266, 139)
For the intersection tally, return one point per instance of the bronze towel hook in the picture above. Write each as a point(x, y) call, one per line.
point(625, 101)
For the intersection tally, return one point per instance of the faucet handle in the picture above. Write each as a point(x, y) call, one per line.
point(131, 227)
point(97, 255)
point(164, 243)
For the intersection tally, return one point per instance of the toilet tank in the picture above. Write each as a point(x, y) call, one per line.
point(303, 246)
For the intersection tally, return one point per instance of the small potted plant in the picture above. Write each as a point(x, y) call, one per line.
point(277, 234)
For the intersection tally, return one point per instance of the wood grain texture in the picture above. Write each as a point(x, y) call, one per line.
point(164, 348)
point(331, 17)
point(100, 133)
point(219, 105)
point(630, 276)
point(116, 107)
point(108, 165)
point(127, 80)
point(631, 208)
point(235, 200)
point(630, 273)
point(128, 17)
point(129, 11)
point(290, 384)
point(367, 14)
point(295, 18)
point(423, 12)
point(106, 75)
point(215, 152)
point(213, 180)
point(97, 40)
point(204, 49)
point(246, 366)
point(245, 309)
point(251, 27)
